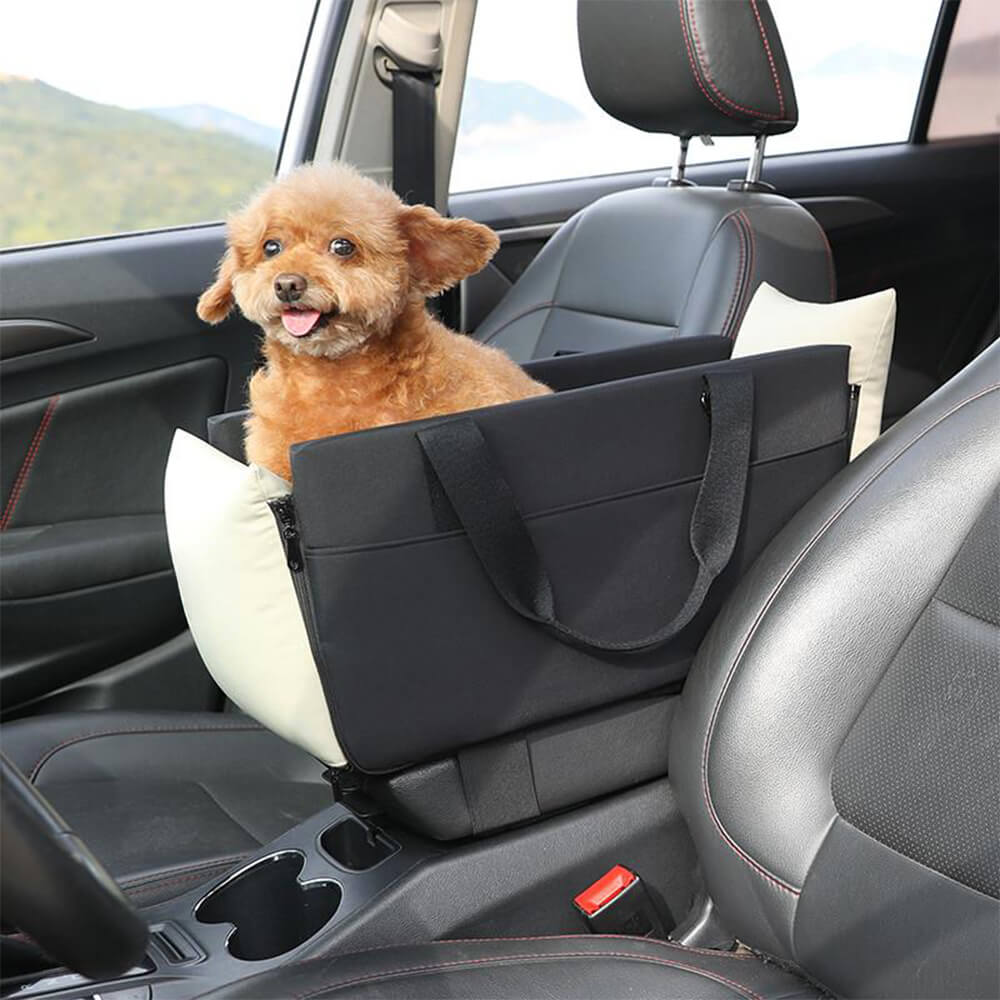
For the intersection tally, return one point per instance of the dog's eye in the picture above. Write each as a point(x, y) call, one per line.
point(271, 248)
point(341, 247)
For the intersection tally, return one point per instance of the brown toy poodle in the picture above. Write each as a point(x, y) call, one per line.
point(335, 270)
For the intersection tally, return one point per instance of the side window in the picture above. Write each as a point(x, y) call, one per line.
point(968, 97)
point(117, 116)
point(857, 66)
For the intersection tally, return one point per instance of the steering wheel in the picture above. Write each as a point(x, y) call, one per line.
point(56, 891)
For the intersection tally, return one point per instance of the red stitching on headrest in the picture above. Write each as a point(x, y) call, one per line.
point(754, 112)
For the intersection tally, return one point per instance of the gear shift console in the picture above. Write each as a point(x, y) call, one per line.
point(282, 905)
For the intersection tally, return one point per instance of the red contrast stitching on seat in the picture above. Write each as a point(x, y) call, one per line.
point(52, 751)
point(751, 266)
point(152, 883)
point(770, 58)
point(752, 631)
point(29, 459)
point(507, 959)
point(728, 330)
point(741, 955)
point(703, 62)
point(694, 69)
point(710, 952)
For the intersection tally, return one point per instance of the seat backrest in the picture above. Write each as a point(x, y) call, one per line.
point(670, 261)
point(837, 748)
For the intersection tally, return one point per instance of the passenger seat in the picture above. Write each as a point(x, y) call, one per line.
point(671, 260)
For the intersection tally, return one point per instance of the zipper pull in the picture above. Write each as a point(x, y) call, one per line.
point(284, 511)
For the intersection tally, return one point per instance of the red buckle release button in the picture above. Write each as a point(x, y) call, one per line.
point(604, 890)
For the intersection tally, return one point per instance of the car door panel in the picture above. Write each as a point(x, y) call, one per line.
point(30, 336)
point(87, 580)
point(134, 296)
point(91, 613)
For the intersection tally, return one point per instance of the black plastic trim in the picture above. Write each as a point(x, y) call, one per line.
point(30, 336)
point(937, 54)
point(315, 98)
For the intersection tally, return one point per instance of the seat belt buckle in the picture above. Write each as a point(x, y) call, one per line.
point(619, 903)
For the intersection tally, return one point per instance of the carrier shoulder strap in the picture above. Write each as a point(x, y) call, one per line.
point(485, 507)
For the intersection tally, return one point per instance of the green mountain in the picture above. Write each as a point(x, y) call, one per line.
point(72, 168)
point(212, 119)
point(487, 102)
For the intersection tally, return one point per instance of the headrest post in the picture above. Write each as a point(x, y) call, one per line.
point(756, 160)
point(680, 164)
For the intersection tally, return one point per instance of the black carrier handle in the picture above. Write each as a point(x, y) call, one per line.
point(485, 507)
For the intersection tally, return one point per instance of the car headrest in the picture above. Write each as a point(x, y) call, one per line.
point(688, 67)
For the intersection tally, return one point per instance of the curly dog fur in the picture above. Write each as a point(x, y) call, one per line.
point(371, 353)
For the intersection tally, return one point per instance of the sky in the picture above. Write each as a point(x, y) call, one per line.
point(835, 111)
point(159, 53)
point(810, 30)
point(229, 53)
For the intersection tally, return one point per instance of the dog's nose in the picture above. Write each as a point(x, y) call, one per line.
point(289, 287)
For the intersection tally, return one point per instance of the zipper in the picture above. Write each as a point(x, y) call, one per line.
point(283, 509)
point(853, 399)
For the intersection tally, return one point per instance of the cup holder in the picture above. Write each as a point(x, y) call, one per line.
point(349, 844)
point(272, 911)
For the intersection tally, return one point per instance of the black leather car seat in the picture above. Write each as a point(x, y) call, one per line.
point(671, 261)
point(835, 755)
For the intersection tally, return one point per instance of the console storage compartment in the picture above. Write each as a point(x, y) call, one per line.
point(353, 846)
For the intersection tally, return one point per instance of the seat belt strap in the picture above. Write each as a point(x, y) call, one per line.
point(413, 120)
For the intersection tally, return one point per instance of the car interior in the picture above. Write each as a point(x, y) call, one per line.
point(794, 796)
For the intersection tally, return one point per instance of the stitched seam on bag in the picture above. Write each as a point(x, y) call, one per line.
point(338, 550)
point(501, 960)
point(770, 59)
point(29, 460)
point(694, 69)
point(703, 62)
point(751, 633)
point(52, 751)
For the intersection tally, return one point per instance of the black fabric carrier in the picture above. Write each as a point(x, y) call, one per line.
point(468, 577)
point(487, 511)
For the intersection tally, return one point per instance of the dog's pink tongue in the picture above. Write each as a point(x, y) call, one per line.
point(299, 322)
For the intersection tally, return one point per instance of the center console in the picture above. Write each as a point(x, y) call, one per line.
point(295, 893)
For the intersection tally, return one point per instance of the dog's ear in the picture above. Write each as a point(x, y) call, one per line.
point(216, 302)
point(444, 251)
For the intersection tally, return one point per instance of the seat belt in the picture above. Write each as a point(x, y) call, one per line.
point(414, 119)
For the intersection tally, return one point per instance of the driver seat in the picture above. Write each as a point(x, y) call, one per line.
point(835, 755)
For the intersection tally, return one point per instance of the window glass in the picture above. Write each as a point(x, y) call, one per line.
point(118, 116)
point(527, 114)
point(968, 97)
